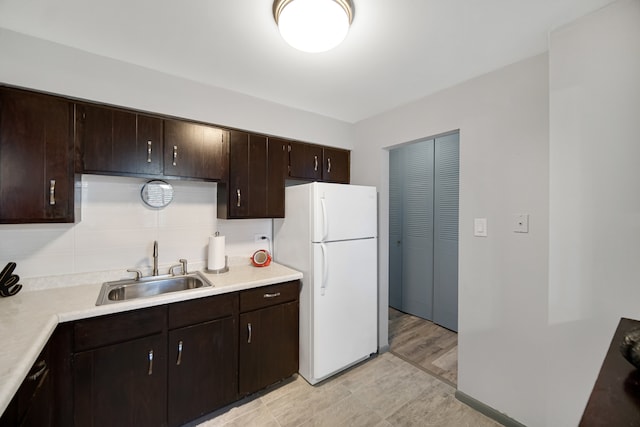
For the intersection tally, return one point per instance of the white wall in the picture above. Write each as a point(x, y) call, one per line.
point(117, 231)
point(38, 64)
point(594, 268)
point(503, 122)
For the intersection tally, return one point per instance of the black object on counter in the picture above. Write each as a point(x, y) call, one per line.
point(630, 346)
point(9, 282)
point(615, 398)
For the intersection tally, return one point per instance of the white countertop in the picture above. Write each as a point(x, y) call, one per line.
point(28, 319)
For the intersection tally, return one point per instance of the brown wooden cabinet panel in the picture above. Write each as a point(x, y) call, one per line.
point(33, 403)
point(278, 160)
point(335, 163)
point(187, 313)
point(255, 188)
point(123, 384)
point(115, 141)
point(203, 369)
point(268, 346)
point(195, 151)
point(305, 161)
point(111, 329)
point(36, 158)
point(203, 356)
point(266, 296)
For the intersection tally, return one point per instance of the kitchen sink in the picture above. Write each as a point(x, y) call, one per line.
point(125, 290)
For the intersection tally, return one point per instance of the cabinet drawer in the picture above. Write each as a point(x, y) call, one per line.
point(202, 310)
point(269, 295)
point(111, 329)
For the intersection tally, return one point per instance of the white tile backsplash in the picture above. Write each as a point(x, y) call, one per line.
point(117, 230)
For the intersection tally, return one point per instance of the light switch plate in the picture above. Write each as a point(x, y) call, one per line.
point(480, 227)
point(521, 223)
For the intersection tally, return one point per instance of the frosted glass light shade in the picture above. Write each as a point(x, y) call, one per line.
point(313, 25)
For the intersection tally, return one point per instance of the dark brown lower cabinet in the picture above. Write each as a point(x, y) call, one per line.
point(33, 403)
point(122, 384)
point(202, 377)
point(268, 343)
point(161, 366)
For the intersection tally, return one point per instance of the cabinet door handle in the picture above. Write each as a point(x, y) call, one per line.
point(329, 165)
point(149, 143)
point(315, 164)
point(42, 367)
point(175, 154)
point(179, 361)
point(239, 197)
point(249, 333)
point(52, 192)
point(275, 295)
point(150, 372)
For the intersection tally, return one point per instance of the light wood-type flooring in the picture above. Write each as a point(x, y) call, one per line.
point(424, 344)
point(383, 391)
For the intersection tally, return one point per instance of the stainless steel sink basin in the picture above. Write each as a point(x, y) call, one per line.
point(124, 290)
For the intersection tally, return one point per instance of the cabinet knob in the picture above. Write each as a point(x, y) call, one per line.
point(149, 143)
point(150, 355)
point(52, 192)
point(42, 367)
point(179, 361)
point(274, 295)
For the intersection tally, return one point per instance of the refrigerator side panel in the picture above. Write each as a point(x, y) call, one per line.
point(344, 212)
point(292, 248)
point(345, 305)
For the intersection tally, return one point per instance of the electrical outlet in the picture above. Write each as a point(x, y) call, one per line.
point(259, 238)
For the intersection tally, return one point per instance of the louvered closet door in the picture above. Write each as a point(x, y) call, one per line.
point(417, 230)
point(445, 279)
point(396, 168)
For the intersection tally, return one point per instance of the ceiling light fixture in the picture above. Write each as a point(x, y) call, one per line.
point(313, 25)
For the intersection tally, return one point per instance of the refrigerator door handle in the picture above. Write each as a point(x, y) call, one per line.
point(325, 269)
point(324, 219)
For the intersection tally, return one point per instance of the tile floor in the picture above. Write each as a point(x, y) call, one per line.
point(383, 391)
point(428, 346)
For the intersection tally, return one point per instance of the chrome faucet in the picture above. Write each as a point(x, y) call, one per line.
point(155, 258)
point(183, 264)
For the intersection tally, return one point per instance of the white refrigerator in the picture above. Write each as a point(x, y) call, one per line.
point(329, 233)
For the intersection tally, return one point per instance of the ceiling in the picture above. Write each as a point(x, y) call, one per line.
point(397, 51)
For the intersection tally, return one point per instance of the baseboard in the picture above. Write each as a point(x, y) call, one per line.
point(487, 410)
point(383, 349)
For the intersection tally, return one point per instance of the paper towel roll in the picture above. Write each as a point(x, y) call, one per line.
point(216, 259)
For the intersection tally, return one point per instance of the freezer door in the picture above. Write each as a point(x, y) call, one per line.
point(343, 212)
point(344, 305)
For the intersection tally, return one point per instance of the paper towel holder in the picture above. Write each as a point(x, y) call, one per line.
point(220, 270)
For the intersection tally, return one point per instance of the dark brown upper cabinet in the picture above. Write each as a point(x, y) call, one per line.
point(255, 187)
point(278, 161)
point(115, 141)
point(305, 161)
point(335, 165)
point(36, 158)
point(318, 163)
point(193, 150)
